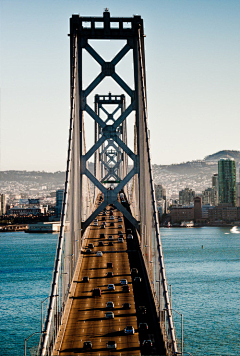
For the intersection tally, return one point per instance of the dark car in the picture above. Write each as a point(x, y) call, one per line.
point(137, 280)
point(126, 288)
point(109, 265)
point(103, 218)
point(110, 243)
point(87, 345)
point(134, 271)
point(100, 243)
point(126, 306)
point(147, 344)
point(142, 309)
point(143, 326)
point(90, 245)
point(102, 236)
point(111, 223)
point(96, 292)
point(109, 274)
point(88, 251)
point(85, 279)
point(102, 226)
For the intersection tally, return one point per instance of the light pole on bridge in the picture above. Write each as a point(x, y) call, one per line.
point(37, 332)
point(42, 310)
point(179, 353)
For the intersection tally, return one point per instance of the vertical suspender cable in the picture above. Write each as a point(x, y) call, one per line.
point(159, 245)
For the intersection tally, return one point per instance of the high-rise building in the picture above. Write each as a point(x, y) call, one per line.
point(59, 202)
point(186, 196)
point(2, 204)
point(227, 181)
point(216, 188)
point(160, 192)
point(210, 196)
point(238, 194)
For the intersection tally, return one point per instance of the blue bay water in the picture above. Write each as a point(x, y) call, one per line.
point(203, 267)
point(205, 284)
point(26, 264)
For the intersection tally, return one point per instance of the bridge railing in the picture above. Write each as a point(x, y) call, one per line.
point(70, 240)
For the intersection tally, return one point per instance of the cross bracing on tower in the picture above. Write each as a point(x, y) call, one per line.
point(111, 175)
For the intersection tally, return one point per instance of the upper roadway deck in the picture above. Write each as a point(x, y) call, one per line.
point(86, 321)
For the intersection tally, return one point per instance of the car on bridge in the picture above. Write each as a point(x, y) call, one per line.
point(109, 315)
point(100, 243)
point(110, 305)
point(111, 345)
point(102, 236)
point(142, 310)
point(109, 274)
point(85, 279)
point(120, 239)
point(96, 292)
point(126, 288)
point(119, 226)
point(111, 217)
point(147, 345)
point(111, 223)
point(120, 219)
point(87, 345)
point(99, 253)
point(88, 251)
point(123, 282)
point(109, 265)
point(111, 287)
point(137, 280)
point(129, 330)
point(110, 237)
point(90, 245)
point(143, 326)
point(110, 243)
point(126, 306)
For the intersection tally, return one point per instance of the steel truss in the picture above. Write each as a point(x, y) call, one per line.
point(111, 152)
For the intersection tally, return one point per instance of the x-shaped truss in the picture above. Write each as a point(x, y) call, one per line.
point(109, 132)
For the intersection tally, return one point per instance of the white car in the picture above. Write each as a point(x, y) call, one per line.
point(109, 315)
point(95, 223)
point(120, 239)
point(111, 217)
point(130, 237)
point(111, 287)
point(99, 253)
point(110, 237)
point(119, 219)
point(123, 282)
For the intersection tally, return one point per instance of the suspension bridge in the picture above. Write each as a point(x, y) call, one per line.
point(109, 291)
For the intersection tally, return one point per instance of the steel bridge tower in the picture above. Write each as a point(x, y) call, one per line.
point(111, 168)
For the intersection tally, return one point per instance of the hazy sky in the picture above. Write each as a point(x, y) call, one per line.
point(193, 77)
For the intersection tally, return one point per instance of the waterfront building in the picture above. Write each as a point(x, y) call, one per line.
point(224, 214)
point(186, 196)
point(205, 211)
point(179, 214)
point(227, 181)
point(20, 211)
point(59, 202)
point(2, 204)
point(197, 208)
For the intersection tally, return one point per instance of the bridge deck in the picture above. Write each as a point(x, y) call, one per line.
point(87, 320)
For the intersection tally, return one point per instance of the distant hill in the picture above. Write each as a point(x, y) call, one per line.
point(224, 154)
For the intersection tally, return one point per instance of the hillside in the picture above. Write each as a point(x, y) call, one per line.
point(224, 154)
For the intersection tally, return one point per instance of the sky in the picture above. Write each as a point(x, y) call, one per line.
point(192, 50)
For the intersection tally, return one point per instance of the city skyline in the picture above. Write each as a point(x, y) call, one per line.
point(193, 78)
